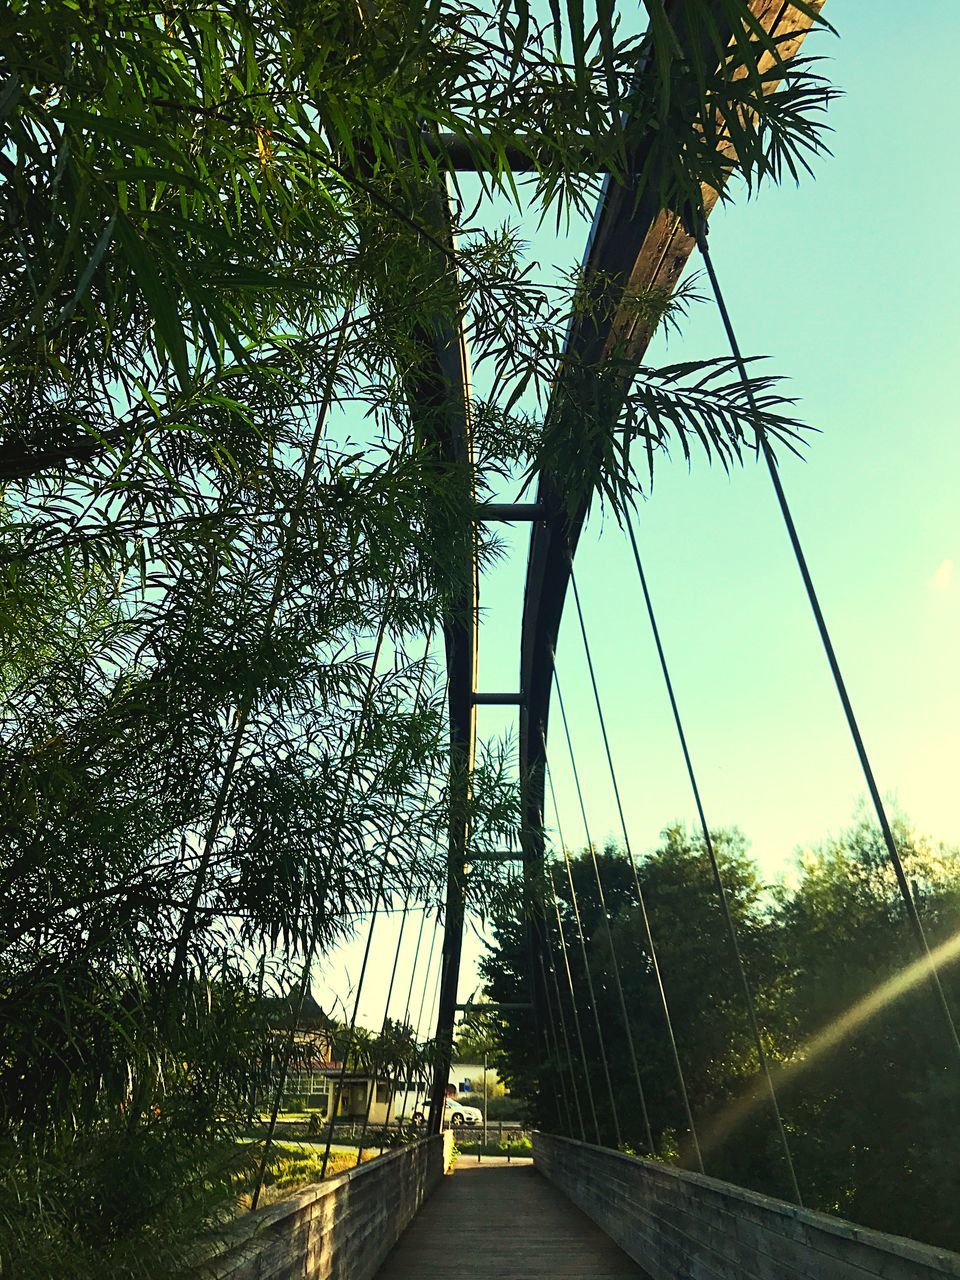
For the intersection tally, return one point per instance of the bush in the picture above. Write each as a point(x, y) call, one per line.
point(521, 1147)
point(291, 1170)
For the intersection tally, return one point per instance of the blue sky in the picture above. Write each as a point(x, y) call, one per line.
point(850, 285)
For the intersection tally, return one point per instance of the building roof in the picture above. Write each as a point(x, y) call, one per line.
point(312, 1015)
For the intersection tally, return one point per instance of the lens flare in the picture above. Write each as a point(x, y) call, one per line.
point(841, 1028)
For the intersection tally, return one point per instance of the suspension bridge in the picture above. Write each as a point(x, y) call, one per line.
point(579, 1207)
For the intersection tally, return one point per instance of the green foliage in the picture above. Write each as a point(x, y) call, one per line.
point(522, 1147)
point(873, 1103)
point(117, 1201)
point(867, 1087)
point(505, 1107)
point(291, 1169)
point(476, 1036)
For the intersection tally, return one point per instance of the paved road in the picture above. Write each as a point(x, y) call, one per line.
point(500, 1221)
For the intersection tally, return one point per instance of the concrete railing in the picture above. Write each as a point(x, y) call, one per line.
point(341, 1229)
point(683, 1226)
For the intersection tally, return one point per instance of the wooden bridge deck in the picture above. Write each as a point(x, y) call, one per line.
point(499, 1221)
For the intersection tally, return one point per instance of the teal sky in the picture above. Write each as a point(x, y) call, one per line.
point(850, 284)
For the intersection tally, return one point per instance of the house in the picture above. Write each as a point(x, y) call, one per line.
point(313, 1073)
point(361, 1096)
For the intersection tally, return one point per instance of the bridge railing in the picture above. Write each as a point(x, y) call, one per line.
point(340, 1229)
point(679, 1224)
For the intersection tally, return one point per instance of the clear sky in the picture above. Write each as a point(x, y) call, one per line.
point(850, 284)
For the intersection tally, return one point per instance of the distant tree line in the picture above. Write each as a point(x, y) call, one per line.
point(867, 1087)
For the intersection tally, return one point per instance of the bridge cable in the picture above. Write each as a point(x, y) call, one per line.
point(402, 1068)
point(428, 1021)
point(385, 1022)
point(245, 706)
point(675, 1052)
point(378, 892)
point(423, 1085)
point(566, 1038)
point(356, 730)
point(383, 1029)
point(569, 972)
point(614, 963)
point(396, 961)
point(593, 1006)
point(396, 964)
point(585, 1066)
point(552, 1035)
point(714, 864)
point(411, 1066)
point(577, 1028)
point(854, 728)
point(408, 1079)
point(606, 920)
point(434, 1003)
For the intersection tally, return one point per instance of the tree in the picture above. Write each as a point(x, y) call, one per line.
point(477, 1037)
point(873, 1086)
point(703, 990)
point(862, 1067)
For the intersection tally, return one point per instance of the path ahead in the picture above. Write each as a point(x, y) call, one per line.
point(499, 1221)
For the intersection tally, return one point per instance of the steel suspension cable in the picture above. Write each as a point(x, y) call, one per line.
point(351, 1034)
point(245, 707)
point(654, 959)
point(551, 964)
point(357, 731)
point(396, 962)
point(893, 852)
point(383, 1028)
point(381, 879)
point(563, 947)
point(413, 970)
point(605, 915)
point(431, 1019)
point(585, 1066)
point(423, 998)
point(714, 865)
point(590, 987)
point(552, 967)
point(552, 1034)
point(399, 1074)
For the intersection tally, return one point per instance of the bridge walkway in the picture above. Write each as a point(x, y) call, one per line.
point(504, 1221)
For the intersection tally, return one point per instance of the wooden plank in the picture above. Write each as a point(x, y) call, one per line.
point(500, 1221)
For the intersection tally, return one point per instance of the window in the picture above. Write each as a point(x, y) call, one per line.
point(384, 1092)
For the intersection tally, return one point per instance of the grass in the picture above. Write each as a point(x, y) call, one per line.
point(516, 1147)
point(293, 1168)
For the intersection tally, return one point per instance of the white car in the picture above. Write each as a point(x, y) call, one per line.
point(456, 1114)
